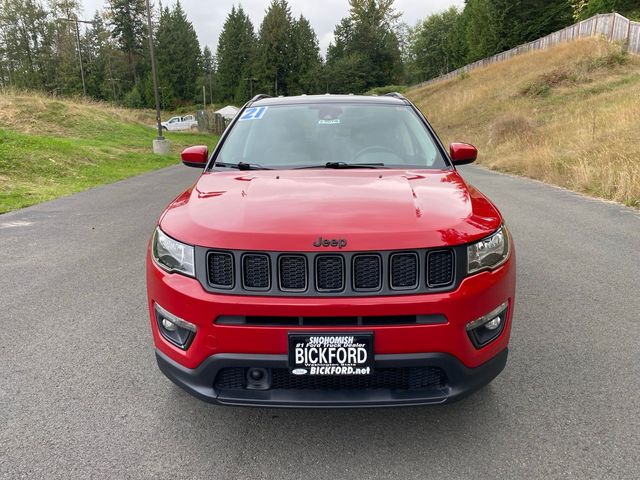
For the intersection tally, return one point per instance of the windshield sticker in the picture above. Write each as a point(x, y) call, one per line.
point(335, 121)
point(253, 113)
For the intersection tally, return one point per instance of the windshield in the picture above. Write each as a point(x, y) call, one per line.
point(329, 135)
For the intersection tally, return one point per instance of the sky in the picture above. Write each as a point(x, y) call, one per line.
point(209, 16)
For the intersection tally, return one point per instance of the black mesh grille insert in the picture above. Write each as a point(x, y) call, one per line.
point(230, 379)
point(330, 273)
point(367, 271)
point(440, 268)
point(404, 271)
point(256, 272)
point(293, 272)
point(407, 378)
point(220, 269)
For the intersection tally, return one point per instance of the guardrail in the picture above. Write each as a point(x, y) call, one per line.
point(612, 26)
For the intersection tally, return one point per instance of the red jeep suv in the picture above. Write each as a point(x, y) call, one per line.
point(330, 255)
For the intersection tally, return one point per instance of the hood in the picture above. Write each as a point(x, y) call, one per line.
point(370, 209)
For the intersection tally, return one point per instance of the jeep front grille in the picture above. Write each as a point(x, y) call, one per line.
point(330, 274)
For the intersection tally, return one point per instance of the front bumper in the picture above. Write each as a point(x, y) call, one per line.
point(460, 382)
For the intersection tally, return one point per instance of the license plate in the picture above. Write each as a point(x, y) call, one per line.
point(331, 354)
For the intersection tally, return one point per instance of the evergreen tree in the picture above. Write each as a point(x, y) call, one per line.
point(481, 20)
point(522, 21)
point(178, 55)
point(366, 51)
point(306, 66)
point(439, 46)
point(128, 27)
point(26, 33)
point(587, 8)
point(235, 55)
point(275, 50)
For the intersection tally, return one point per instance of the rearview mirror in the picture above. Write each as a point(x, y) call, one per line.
point(195, 156)
point(463, 153)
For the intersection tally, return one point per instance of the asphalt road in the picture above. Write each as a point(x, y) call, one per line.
point(81, 396)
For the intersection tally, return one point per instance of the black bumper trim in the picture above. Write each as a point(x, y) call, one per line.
point(461, 381)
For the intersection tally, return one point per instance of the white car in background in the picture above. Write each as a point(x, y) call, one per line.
point(176, 124)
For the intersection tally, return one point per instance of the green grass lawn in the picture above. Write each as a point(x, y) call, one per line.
point(77, 148)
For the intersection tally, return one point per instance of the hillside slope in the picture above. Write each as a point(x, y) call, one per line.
point(569, 116)
point(53, 147)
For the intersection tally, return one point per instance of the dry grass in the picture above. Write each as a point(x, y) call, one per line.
point(568, 116)
point(36, 113)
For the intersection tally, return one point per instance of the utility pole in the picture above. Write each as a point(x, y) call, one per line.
point(111, 79)
point(250, 80)
point(210, 87)
point(160, 145)
point(84, 85)
point(204, 97)
point(76, 21)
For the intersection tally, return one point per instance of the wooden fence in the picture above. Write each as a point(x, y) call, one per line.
point(209, 122)
point(612, 26)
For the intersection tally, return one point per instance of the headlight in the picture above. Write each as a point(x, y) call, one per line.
point(488, 253)
point(172, 255)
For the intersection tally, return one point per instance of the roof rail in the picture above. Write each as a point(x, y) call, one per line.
point(395, 95)
point(260, 96)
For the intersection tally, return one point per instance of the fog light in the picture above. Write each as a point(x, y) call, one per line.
point(493, 324)
point(258, 379)
point(487, 328)
point(174, 329)
point(169, 325)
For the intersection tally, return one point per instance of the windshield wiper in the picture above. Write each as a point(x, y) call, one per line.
point(242, 166)
point(345, 165)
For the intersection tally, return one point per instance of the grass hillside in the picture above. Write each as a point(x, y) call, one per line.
point(52, 147)
point(569, 116)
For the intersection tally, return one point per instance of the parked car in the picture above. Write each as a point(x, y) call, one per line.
point(175, 124)
point(331, 255)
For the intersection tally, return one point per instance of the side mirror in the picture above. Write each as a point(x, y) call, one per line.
point(195, 156)
point(463, 153)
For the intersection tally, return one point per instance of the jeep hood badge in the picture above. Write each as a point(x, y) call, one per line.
point(333, 242)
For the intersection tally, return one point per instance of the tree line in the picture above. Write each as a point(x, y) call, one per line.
point(456, 37)
point(42, 47)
